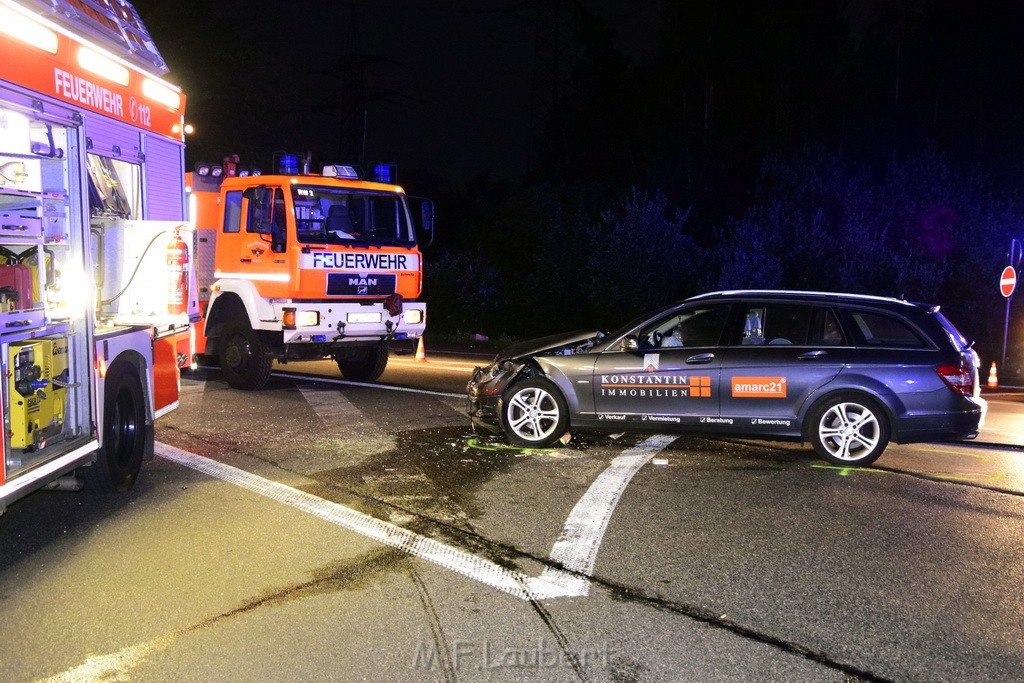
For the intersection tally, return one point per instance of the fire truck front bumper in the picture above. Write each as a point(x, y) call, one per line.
point(320, 322)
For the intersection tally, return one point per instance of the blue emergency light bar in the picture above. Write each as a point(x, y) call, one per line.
point(385, 173)
point(289, 164)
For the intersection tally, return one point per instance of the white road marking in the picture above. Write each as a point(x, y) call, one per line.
point(322, 403)
point(439, 364)
point(370, 385)
point(514, 583)
point(575, 550)
point(577, 545)
point(329, 405)
point(342, 419)
point(113, 667)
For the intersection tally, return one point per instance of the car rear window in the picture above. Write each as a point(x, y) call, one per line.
point(884, 330)
point(825, 329)
point(773, 324)
point(959, 340)
point(785, 324)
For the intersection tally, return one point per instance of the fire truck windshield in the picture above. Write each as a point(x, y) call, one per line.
point(331, 215)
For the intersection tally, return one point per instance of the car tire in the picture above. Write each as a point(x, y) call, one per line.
point(534, 413)
point(365, 365)
point(124, 432)
point(849, 429)
point(244, 357)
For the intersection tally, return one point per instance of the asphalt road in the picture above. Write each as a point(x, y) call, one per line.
point(321, 530)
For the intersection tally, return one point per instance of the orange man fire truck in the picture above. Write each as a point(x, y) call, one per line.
point(96, 303)
point(301, 266)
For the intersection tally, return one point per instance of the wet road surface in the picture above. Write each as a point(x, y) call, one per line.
point(329, 531)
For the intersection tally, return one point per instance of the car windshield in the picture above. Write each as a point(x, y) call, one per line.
point(636, 322)
point(333, 215)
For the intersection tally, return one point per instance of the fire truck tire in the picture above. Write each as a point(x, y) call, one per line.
point(244, 357)
point(365, 364)
point(124, 432)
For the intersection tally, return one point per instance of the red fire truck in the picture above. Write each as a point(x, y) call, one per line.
point(96, 294)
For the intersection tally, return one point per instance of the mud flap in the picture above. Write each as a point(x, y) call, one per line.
point(148, 447)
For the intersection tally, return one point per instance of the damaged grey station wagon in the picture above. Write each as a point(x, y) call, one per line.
point(848, 373)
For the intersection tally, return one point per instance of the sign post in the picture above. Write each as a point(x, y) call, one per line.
point(1007, 283)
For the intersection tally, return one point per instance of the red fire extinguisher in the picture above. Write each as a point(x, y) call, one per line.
point(177, 264)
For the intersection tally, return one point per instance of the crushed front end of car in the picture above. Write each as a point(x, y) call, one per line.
point(489, 383)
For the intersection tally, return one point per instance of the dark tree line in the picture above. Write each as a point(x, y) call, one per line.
point(862, 146)
point(915, 229)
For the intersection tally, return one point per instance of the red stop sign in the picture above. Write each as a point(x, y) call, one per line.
point(1007, 281)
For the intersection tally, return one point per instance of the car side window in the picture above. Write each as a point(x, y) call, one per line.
point(690, 328)
point(885, 330)
point(825, 329)
point(773, 324)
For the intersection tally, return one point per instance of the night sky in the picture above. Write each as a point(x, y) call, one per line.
point(872, 146)
point(452, 86)
point(448, 85)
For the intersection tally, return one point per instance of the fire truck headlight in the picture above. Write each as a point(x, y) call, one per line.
point(412, 316)
point(308, 318)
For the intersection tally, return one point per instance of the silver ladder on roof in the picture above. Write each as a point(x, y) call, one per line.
point(114, 24)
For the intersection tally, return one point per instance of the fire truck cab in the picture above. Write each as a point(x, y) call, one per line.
point(303, 266)
point(94, 324)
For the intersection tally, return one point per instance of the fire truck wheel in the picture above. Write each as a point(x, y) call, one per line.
point(365, 364)
point(244, 358)
point(124, 432)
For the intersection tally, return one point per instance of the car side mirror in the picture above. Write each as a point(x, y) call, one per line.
point(630, 343)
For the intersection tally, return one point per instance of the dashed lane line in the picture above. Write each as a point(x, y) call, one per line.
point(456, 402)
point(368, 385)
point(438, 364)
point(329, 405)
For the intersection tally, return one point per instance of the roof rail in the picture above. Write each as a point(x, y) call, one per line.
point(798, 293)
point(113, 24)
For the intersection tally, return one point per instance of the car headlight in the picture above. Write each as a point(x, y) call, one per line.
point(494, 369)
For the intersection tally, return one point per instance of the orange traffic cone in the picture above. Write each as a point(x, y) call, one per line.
point(993, 377)
point(421, 354)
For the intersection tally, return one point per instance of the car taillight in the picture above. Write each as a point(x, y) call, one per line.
point(958, 378)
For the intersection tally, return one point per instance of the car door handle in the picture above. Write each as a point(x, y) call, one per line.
point(700, 358)
point(812, 355)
